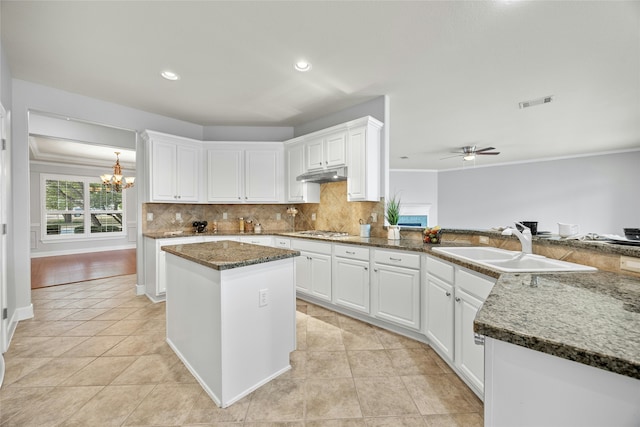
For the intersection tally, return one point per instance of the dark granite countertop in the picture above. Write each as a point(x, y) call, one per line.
point(590, 318)
point(226, 254)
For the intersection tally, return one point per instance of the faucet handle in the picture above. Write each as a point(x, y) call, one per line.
point(525, 229)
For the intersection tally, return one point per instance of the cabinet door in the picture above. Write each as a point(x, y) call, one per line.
point(469, 357)
point(188, 173)
point(439, 316)
point(315, 154)
point(321, 276)
point(336, 149)
point(295, 167)
point(397, 295)
point(163, 171)
point(356, 166)
point(261, 175)
point(224, 176)
point(303, 273)
point(351, 284)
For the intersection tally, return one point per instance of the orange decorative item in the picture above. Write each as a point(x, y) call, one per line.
point(432, 235)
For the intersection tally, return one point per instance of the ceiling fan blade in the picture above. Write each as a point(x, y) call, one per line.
point(455, 155)
point(485, 149)
point(491, 153)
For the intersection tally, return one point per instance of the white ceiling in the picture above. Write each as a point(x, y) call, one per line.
point(454, 72)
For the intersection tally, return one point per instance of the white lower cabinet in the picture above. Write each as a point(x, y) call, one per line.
point(351, 278)
point(257, 240)
point(396, 288)
point(313, 268)
point(454, 296)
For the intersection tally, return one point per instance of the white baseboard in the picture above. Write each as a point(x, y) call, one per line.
point(141, 289)
point(81, 251)
point(155, 299)
point(21, 313)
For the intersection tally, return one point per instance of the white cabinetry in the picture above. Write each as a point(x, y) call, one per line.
point(243, 173)
point(297, 191)
point(327, 151)
point(154, 264)
point(281, 242)
point(174, 164)
point(454, 296)
point(313, 268)
point(351, 277)
point(363, 161)
point(396, 287)
point(257, 240)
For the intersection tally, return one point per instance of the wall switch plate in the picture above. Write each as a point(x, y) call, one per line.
point(178, 216)
point(313, 217)
point(224, 215)
point(374, 217)
point(278, 217)
point(149, 216)
point(484, 240)
point(263, 297)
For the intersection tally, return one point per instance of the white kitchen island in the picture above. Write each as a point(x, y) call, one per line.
point(231, 314)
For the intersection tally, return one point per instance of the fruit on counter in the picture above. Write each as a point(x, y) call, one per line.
point(432, 235)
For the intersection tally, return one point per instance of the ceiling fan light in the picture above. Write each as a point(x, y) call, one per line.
point(469, 157)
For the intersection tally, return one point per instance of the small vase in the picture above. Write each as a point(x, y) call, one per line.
point(393, 232)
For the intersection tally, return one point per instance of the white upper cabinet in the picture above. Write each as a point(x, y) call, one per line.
point(297, 191)
point(174, 168)
point(246, 173)
point(328, 151)
point(363, 161)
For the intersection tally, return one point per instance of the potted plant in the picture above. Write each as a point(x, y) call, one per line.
point(393, 216)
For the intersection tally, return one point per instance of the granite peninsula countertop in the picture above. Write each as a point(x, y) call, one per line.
point(225, 255)
point(591, 318)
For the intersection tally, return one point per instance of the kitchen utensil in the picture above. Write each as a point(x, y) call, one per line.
point(566, 230)
point(361, 221)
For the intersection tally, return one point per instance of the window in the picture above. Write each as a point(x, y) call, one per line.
point(76, 207)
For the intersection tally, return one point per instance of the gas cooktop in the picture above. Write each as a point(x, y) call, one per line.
point(323, 233)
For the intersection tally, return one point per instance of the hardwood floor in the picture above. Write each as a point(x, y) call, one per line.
point(59, 270)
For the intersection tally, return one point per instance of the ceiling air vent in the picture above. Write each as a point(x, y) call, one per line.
point(531, 103)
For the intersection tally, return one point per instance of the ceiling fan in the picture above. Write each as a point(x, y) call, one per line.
point(471, 151)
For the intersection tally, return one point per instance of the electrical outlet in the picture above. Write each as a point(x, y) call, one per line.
point(484, 240)
point(224, 215)
point(374, 217)
point(178, 216)
point(263, 297)
point(278, 217)
point(149, 216)
point(313, 217)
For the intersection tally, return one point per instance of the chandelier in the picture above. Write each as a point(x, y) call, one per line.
point(115, 181)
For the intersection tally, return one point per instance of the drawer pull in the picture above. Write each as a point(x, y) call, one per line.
point(350, 253)
point(457, 299)
point(448, 293)
point(395, 259)
point(366, 269)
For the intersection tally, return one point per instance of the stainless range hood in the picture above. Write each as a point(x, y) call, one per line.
point(322, 176)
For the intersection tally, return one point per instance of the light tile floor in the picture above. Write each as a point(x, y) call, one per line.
point(95, 355)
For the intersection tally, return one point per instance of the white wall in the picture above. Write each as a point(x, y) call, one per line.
point(51, 248)
point(600, 193)
point(247, 133)
point(416, 187)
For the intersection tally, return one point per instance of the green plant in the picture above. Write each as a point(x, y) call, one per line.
point(393, 211)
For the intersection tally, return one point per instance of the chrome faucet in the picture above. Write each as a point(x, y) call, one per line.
point(525, 237)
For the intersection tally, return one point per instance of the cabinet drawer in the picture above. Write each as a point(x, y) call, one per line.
point(352, 252)
point(474, 283)
point(258, 240)
point(282, 243)
point(401, 259)
point(440, 269)
point(309, 246)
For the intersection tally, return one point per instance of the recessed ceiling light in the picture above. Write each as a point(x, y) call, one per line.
point(302, 66)
point(170, 75)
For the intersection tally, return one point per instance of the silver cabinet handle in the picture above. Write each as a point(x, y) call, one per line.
point(478, 339)
point(366, 269)
point(350, 253)
point(326, 162)
point(375, 269)
point(395, 259)
point(448, 294)
point(457, 299)
point(239, 198)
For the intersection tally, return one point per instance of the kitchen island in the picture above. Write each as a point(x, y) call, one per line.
point(562, 350)
point(231, 314)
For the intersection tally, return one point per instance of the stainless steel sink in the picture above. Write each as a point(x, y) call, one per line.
point(511, 261)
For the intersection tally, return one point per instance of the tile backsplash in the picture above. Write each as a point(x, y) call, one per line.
point(332, 213)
